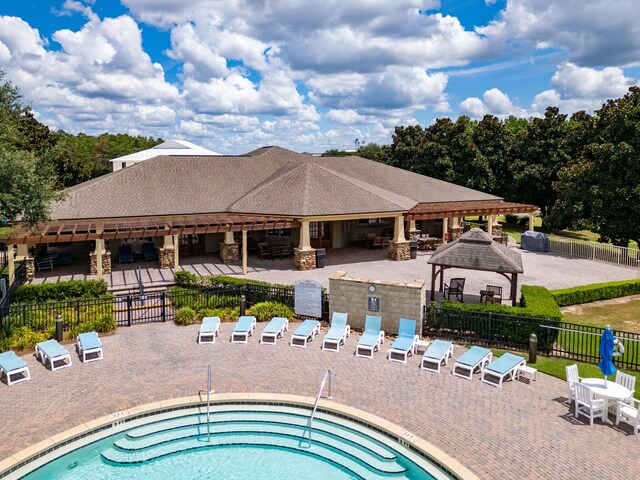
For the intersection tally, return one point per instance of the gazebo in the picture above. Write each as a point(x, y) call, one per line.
point(476, 250)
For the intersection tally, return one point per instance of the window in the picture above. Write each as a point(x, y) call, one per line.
point(373, 221)
point(124, 164)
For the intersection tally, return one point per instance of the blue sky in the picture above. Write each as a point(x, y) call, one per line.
point(308, 74)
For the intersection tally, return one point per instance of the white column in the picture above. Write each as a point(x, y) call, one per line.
point(490, 224)
point(176, 250)
point(305, 236)
point(455, 222)
point(244, 252)
point(167, 241)
point(445, 229)
point(11, 266)
point(23, 251)
point(228, 238)
point(99, 252)
point(398, 229)
point(531, 218)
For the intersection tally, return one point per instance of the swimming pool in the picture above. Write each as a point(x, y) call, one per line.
point(242, 440)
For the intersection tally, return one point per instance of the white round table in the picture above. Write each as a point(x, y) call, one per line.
point(610, 391)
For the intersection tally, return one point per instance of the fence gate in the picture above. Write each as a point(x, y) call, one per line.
point(146, 308)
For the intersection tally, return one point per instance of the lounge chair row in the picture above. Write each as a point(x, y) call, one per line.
point(52, 353)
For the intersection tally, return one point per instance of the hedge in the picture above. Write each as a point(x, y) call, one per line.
point(189, 280)
point(73, 289)
point(595, 292)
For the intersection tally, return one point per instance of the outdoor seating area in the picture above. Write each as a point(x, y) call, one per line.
point(273, 252)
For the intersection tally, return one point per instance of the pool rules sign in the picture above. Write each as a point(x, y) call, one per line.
point(308, 296)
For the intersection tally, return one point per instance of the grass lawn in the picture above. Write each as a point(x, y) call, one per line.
point(621, 314)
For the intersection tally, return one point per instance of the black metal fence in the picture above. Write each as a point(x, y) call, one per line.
point(5, 301)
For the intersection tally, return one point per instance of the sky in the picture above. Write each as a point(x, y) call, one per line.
point(310, 75)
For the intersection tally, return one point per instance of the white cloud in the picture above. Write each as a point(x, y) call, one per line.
point(494, 102)
point(571, 81)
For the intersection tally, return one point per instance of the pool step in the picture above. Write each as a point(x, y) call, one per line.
point(295, 424)
point(362, 470)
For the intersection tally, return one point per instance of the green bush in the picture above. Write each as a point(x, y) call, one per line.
point(23, 338)
point(227, 314)
point(104, 324)
point(595, 292)
point(185, 316)
point(76, 330)
point(265, 311)
point(199, 299)
point(189, 280)
point(185, 279)
point(539, 302)
point(73, 289)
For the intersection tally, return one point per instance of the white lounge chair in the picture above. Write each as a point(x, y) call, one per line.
point(12, 365)
point(508, 365)
point(338, 332)
point(572, 379)
point(210, 328)
point(89, 344)
point(243, 329)
point(372, 338)
point(438, 352)
point(628, 412)
point(588, 404)
point(305, 333)
point(471, 360)
point(51, 351)
point(405, 344)
point(274, 329)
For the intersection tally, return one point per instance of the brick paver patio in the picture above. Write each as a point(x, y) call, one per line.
point(519, 431)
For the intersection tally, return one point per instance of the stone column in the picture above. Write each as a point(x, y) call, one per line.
point(305, 236)
point(445, 229)
point(399, 247)
point(229, 249)
point(244, 252)
point(413, 231)
point(11, 265)
point(490, 221)
point(30, 268)
point(497, 228)
point(531, 218)
point(166, 256)
point(304, 259)
point(106, 262)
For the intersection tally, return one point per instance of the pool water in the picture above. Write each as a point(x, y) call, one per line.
point(241, 441)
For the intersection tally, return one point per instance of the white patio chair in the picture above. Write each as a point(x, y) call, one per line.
point(572, 379)
point(587, 404)
point(627, 381)
point(628, 412)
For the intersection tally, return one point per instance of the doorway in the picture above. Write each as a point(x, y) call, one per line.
point(320, 234)
point(191, 244)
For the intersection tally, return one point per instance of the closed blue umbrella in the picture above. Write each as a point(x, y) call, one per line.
point(606, 353)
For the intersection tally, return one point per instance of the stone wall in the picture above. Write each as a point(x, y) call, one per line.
point(395, 300)
point(399, 251)
point(497, 229)
point(30, 268)
point(166, 256)
point(106, 263)
point(304, 259)
point(455, 232)
point(229, 252)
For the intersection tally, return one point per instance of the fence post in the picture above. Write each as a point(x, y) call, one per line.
point(129, 305)
point(78, 311)
point(163, 297)
point(533, 348)
point(59, 328)
point(243, 305)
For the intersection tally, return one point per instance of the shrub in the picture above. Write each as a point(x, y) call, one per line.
point(185, 316)
point(595, 292)
point(24, 338)
point(264, 311)
point(185, 279)
point(46, 292)
point(511, 219)
point(83, 327)
point(104, 324)
point(227, 314)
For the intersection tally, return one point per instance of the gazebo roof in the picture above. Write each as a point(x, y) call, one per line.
point(476, 250)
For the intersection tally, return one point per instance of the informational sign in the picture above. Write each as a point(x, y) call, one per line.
point(308, 296)
point(374, 304)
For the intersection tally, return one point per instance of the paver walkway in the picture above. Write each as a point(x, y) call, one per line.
point(519, 431)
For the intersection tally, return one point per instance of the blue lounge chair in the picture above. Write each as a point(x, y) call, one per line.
point(274, 329)
point(405, 344)
point(51, 351)
point(469, 361)
point(89, 344)
point(305, 333)
point(11, 364)
point(508, 365)
point(149, 251)
point(372, 338)
point(439, 351)
point(210, 328)
point(338, 332)
point(125, 254)
point(243, 329)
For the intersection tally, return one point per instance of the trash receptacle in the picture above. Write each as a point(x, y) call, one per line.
point(320, 257)
point(413, 249)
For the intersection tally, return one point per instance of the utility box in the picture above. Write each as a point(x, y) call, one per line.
point(413, 249)
point(320, 257)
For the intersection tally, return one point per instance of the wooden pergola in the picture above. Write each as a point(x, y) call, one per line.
point(476, 250)
point(432, 211)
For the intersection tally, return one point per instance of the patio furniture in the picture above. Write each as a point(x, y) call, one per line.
point(12, 365)
point(507, 366)
point(492, 294)
point(471, 360)
point(528, 372)
point(605, 390)
point(439, 352)
point(455, 288)
point(274, 329)
point(44, 262)
point(263, 250)
point(377, 242)
point(149, 251)
point(51, 351)
point(305, 333)
point(372, 338)
point(210, 328)
point(588, 404)
point(89, 344)
point(572, 379)
point(338, 332)
point(125, 254)
point(62, 258)
point(404, 345)
point(628, 412)
point(627, 381)
point(243, 329)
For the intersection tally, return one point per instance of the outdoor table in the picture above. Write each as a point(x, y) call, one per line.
point(612, 391)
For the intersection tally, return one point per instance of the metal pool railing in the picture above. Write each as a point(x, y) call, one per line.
point(601, 252)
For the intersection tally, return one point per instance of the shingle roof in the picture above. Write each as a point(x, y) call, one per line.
point(268, 180)
point(476, 250)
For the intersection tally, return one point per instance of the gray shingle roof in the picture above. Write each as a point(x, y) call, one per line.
point(268, 180)
point(476, 250)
